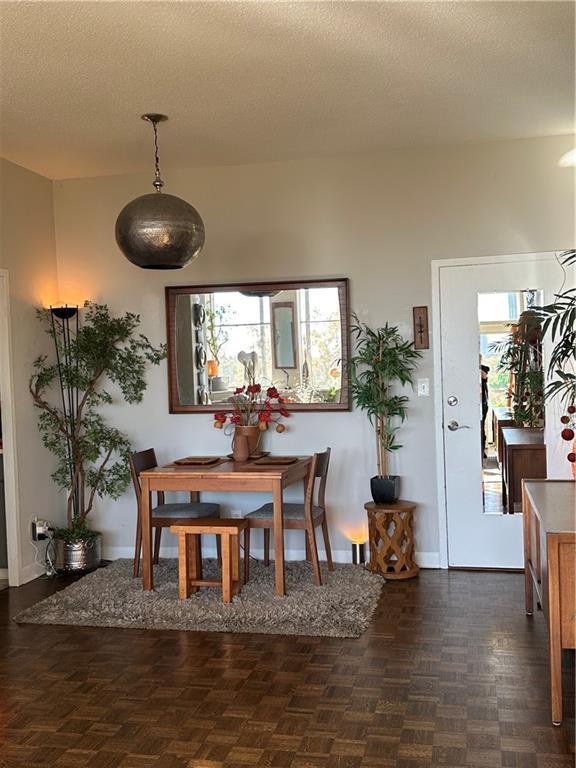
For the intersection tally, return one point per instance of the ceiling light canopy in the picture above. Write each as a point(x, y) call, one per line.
point(159, 231)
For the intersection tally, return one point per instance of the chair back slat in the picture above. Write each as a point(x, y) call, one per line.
point(322, 472)
point(139, 462)
point(318, 469)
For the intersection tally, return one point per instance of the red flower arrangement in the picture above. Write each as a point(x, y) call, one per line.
point(254, 408)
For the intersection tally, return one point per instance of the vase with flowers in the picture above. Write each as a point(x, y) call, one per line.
point(254, 412)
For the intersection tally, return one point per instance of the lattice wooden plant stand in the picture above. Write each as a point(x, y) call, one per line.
point(391, 534)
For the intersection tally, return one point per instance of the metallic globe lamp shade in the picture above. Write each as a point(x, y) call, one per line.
point(159, 231)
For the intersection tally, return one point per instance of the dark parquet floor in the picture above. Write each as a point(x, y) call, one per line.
point(451, 673)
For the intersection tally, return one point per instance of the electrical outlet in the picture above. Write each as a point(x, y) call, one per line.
point(40, 529)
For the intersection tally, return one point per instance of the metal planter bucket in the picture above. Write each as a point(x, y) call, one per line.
point(80, 556)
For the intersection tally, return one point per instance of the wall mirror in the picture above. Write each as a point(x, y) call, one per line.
point(293, 335)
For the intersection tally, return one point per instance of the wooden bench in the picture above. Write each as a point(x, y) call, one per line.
point(190, 560)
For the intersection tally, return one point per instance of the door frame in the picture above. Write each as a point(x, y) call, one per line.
point(9, 435)
point(437, 265)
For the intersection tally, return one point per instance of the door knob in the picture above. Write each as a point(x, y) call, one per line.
point(453, 426)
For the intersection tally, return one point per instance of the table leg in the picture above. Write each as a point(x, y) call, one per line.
point(183, 575)
point(504, 479)
point(511, 499)
point(555, 637)
point(528, 583)
point(198, 556)
point(235, 558)
point(279, 539)
point(146, 525)
point(226, 569)
point(193, 561)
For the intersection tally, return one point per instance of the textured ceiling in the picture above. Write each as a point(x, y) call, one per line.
point(258, 81)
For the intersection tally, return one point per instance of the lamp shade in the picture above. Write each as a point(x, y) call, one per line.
point(159, 231)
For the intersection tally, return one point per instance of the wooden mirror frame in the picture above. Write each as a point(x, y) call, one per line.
point(173, 291)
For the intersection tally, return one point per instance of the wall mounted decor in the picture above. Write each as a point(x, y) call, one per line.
point(159, 231)
point(421, 331)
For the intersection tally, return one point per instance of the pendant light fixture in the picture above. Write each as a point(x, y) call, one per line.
point(159, 231)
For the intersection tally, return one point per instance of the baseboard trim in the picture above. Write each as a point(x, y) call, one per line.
point(428, 560)
point(3, 573)
point(30, 572)
point(424, 559)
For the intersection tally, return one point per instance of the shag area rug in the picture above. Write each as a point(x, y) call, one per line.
point(110, 597)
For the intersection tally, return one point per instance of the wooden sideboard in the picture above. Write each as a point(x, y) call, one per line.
point(524, 457)
point(501, 417)
point(549, 508)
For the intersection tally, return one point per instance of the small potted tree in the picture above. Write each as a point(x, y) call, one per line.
point(92, 457)
point(382, 359)
point(216, 338)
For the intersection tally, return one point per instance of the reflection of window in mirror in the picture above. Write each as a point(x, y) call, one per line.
point(284, 335)
point(320, 339)
point(289, 337)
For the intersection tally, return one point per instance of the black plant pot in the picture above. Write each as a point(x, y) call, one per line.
point(385, 488)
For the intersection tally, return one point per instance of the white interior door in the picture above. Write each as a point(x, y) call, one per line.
point(477, 538)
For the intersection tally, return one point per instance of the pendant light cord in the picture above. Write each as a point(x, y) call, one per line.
point(158, 183)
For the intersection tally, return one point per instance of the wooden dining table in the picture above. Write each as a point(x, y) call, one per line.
point(225, 476)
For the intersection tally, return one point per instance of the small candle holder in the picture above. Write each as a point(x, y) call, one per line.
point(358, 553)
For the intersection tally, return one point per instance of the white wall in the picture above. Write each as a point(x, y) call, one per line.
point(27, 251)
point(378, 220)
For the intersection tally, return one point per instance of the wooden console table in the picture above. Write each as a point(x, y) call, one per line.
point(501, 417)
point(524, 455)
point(391, 533)
point(549, 508)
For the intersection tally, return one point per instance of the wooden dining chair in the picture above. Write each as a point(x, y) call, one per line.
point(307, 517)
point(164, 515)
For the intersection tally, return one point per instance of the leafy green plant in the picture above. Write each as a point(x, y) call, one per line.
point(559, 321)
point(92, 457)
point(521, 355)
point(382, 359)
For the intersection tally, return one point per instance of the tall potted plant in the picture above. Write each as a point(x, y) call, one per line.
point(92, 457)
point(559, 321)
point(382, 360)
point(521, 356)
point(216, 338)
